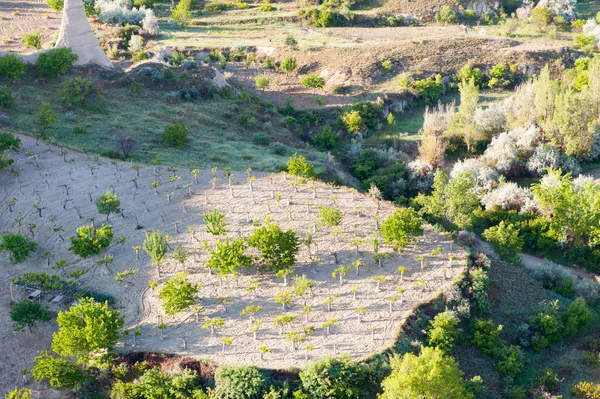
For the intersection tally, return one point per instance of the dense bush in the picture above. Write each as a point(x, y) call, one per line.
point(335, 379)
point(443, 330)
point(33, 39)
point(447, 16)
point(429, 90)
point(505, 240)
point(6, 97)
point(502, 75)
point(352, 121)
point(261, 139)
point(79, 92)
point(175, 135)
point(486, 336)
point(11, 66)
point(325, 18)
point(330, 216)
point(278, 248)
point(55, 61)
point(326, 139)
point(91, 240)
point(399, 229)
point(278, 148)
point(154, 384)
point(586, 390)
point(297, 165)
point(18, 246)
point(241, 382)
point(313, 81)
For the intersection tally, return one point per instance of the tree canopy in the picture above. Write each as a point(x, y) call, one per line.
point(177, 294)
point(108, 203)
point(27, 313)
point(278, 248)
point(86, 329)
point(229, 256)
point(430, 375)
point(399, 229)
point(91, 240)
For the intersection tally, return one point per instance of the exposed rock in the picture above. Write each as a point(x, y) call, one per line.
point(219, 79)
point(336, 78)
point(76, 33)
point(163, 53)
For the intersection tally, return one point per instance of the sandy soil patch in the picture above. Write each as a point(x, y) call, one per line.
point(62, 185)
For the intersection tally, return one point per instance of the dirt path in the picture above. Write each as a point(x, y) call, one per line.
point(529, 261)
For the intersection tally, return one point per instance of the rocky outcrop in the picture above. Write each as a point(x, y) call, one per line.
point(483, 6)
point(76, 33)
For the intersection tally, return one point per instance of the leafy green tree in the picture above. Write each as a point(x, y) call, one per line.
point(463, 124)
point(18, 246)
point(59, 372)
point(443, 330)
point(332, 378)
point(19, 393)
point(156, 247)
point(289, 64)
point(399, 229)
point(178, 294)
point(278, 248)
point(430, 375)
point(86, 329)
point(453, 201)
point(227, 257)
point(8, 142)
point(506, 241)
point(45, 117)
point(298, 166)
point(240, 382)
point(573, 212)
point(28, 313)
point(108, 203)
point(486, 336)
point(91, 240)
point(330, 216)
point(182, 13)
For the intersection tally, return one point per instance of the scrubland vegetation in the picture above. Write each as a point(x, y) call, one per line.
point(178, 226)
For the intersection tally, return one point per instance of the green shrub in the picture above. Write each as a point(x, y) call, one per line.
point(143, 3)
point(33, 39)
point(443, 330)
point(548, 325)
point(541, 17)
point(240, 382)
point(77, 129)
point(313, 81)
point(577, 317)
point(278, 148)
point(11, 66)
point(368, 111)
point(278, 248)
point(352, 121)
point(43, 281)
point(502, 75)
point(506, 241)
point(91, 240)
point(266, 8)
point(429, 90)
point(56, 5)
point(447, 16)
point(585, 43)
point(298, 166)
point(399, 229)
point(326, 139)
point(335, 379)
point(261, 139)
point(467, 73)
point(486, 336)
point(175, 135)
point(586, 390)
point(18, 246)
point(290, 40)
point(6, 97)
point(512, 361)
point(78, 92)
point(55, 61)
point(261, 81)
point(288, 64)
point(330, 216)
point(182, 13)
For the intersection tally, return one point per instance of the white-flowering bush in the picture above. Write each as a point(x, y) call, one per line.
point(116, 13)
point(391, 156)
point(589, 290)
point(436, 119)
point(502, 153)
point(509, 196)
point(136, 43)
point(526, 139)
point(485, 178)
point(581, 181)
point(549, 156)
point(420, 175)
point(591, 28)
point(492, 119)
point(564, 8)
point(150, 24)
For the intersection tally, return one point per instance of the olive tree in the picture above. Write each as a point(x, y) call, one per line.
point(86, 329)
